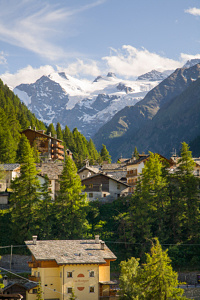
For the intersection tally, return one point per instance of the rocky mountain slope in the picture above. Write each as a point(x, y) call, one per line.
point(128, 128)
point(83, 104)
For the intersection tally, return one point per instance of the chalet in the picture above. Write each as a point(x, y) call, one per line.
point(63, 266)
point(115, 170)
point(135, 166)
point(103, 187)
point(87, 171)
point(48, 146)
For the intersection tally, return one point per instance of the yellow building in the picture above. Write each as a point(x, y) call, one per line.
point(65, 265)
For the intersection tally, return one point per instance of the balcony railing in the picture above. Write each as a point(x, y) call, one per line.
point(34, 278)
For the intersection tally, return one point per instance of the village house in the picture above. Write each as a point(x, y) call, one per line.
point(53, 169)
point(135, 166)
point(48, 146)
point(104, 188)
point(10, 171)
point(63, 266)
point(87, 171)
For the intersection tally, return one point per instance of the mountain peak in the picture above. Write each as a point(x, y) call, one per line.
point(111, 74)
point(190, 63)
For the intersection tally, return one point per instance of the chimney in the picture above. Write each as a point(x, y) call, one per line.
point(49, 133)
point(29, 127)
point(96, 239)
point(5, 280)
point(34, 239)
point(102, 245)
point(34, 128)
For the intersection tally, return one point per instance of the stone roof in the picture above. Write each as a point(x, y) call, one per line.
point(108, 176)
point(9, 167)
point(94, 169)
point(52, 169)
point(116, 167)
point(70, 251)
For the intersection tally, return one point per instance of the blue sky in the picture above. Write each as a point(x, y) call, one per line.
point(86, 38)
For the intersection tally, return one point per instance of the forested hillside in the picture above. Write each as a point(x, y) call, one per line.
point(15, 117)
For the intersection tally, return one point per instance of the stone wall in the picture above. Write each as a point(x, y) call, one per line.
point(192, 293)
point(188, 277)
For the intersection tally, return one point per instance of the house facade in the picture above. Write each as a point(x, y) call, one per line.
point(10, 171)
point(48, 146)
point(53, 169)
point(104, 187)
point(63, 266)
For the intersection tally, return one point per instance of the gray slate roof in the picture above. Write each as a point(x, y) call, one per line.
point(70, 251)
point(9, 167)
point(52, 169)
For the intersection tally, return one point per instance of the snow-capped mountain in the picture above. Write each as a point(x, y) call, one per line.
point(155, 75)
point(81, 103)
point(190, 63)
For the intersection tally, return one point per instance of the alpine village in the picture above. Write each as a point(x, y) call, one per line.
point(78, 224)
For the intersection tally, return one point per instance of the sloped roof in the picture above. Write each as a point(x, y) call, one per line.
point(70, 251)
point(108, 176)
point(9, 167)
point(94, 169)
point(51, 169)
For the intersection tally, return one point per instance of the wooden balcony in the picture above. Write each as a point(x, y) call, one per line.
point(32, 264)
point(34, 278)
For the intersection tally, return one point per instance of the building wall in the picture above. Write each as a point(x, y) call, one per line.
point(55, 281)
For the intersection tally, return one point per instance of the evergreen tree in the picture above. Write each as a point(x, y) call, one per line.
point(188, 193)
point(129, 288)
point(25, 195)
point(105, 154)
point(157, 280)
point(71, 204)
point(93, 153)
point(44, 212)
point(136, 153)
point(59, 132)
point(51, 130)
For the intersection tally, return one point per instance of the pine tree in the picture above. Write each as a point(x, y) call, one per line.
point(188, 193)
point(129, 288)
point(105, 154)
point(136, 153)
point(157, 280)
point(45, 215)
point(71, 204)
point(51, 130)
point(25, 194)
point(59, 132)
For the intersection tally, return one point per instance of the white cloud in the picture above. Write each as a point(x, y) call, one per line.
point(193, 11)
point(3, 60)
point(185, 57)
point(26, 75)
point(82, 68)
point(131, 62)
point(38, 25)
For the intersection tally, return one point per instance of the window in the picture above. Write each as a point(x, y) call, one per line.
point(91, 289)
point(83, 176)
point(69, 290)
point(104, 195)
point(90, 186)
point(69, 274)
point(118, 186)
point(90, 195)
point(34, 291)
point(91, 274)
